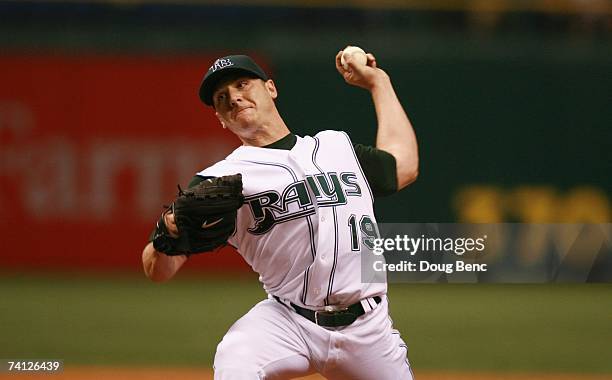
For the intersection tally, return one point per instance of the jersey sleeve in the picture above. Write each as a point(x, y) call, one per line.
point(379, 168)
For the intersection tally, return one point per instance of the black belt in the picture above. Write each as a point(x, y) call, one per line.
point(331, 317)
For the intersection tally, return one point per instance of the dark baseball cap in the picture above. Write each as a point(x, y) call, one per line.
point(224, 66)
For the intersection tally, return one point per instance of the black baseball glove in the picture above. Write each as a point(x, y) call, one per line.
point(205, 216)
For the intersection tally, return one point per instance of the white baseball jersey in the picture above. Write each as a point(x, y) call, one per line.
point(307, 218)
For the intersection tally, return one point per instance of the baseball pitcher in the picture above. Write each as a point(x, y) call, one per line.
point(300, 212)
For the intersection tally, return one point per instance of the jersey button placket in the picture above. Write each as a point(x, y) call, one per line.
point(322, 225)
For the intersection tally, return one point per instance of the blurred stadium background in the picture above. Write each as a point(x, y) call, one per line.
point(99, 120)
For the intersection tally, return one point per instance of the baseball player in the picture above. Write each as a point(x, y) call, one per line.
point(302, 219)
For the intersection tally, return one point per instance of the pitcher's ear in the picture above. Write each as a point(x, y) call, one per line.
point(271, 87)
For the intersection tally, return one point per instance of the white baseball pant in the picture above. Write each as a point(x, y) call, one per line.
point(272, 341)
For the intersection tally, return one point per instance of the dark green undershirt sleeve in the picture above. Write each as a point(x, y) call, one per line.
point(379, 168)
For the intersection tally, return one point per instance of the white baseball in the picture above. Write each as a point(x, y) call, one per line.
point(359, 56)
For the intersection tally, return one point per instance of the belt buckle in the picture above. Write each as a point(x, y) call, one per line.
point(329, 310)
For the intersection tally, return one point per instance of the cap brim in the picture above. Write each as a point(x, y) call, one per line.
point(210, 83)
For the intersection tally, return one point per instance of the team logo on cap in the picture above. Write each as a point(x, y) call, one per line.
point(220, 63)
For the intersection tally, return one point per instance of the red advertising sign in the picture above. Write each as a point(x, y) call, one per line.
point(91, 148)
